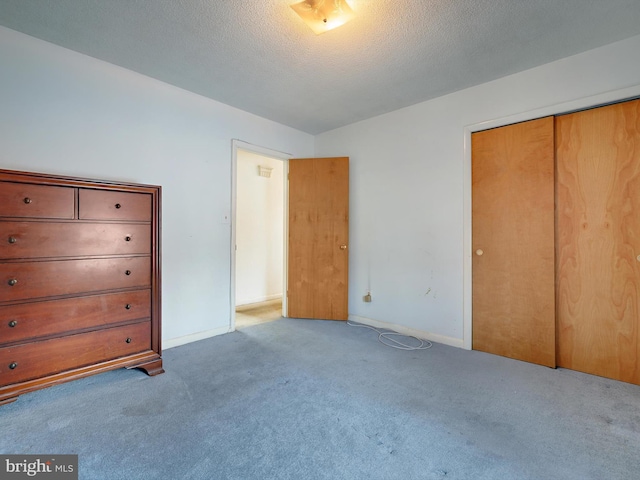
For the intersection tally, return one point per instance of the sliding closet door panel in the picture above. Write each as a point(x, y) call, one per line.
point(513, 241)
point(598, 278)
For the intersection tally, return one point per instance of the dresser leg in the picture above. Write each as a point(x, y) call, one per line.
point(150, 368)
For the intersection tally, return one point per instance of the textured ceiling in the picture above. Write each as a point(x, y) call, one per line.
point(258, 56)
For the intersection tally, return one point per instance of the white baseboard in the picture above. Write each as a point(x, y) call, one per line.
point(194, 337)
point(266, 298)
point(453, 342)
point(433, 337)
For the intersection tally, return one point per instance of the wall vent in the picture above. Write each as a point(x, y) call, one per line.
point(264, 171)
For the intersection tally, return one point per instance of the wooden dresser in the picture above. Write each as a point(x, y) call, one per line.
point(79, 279)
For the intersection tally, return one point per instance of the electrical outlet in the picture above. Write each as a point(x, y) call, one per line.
point(367, 298)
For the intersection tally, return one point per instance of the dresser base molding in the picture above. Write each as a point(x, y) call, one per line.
point(8, 400)
point(149, 362)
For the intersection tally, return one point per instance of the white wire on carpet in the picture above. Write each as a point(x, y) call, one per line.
point(385, 336)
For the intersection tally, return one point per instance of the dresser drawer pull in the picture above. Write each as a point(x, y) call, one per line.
point(128, 306)
point(118, 205)
point(128, 340)
point(13, 282)
point(128, 238)
point(13, 323)
point(13, 239)
point(13, 365)
point(128, 272)
point(27, 200)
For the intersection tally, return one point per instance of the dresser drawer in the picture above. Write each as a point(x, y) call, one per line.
point(24, 362)
point(41, 319)
point(35, 239)
point(108, 205)
point(24, 280)
point(36, 201)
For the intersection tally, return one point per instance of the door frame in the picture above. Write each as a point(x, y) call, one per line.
point(266, 152)
point(554, 109)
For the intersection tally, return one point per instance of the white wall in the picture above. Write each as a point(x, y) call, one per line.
point(66, 113)
point(259, 229)
point(410, 185)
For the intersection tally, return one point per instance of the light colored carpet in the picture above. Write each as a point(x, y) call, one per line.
point(305, 399)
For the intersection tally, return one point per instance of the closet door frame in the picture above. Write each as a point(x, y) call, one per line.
point(557, 109)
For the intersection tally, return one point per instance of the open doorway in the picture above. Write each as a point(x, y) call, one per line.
point(259, 237)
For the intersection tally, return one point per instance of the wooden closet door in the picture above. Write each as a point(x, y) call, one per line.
point(513, 297)
point(598, 278)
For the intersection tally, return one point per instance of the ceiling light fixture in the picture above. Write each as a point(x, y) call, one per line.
point(323, 15)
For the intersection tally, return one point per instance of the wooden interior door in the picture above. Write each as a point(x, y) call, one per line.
point(598, 278)
point(318, 258)
point(513, 296)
